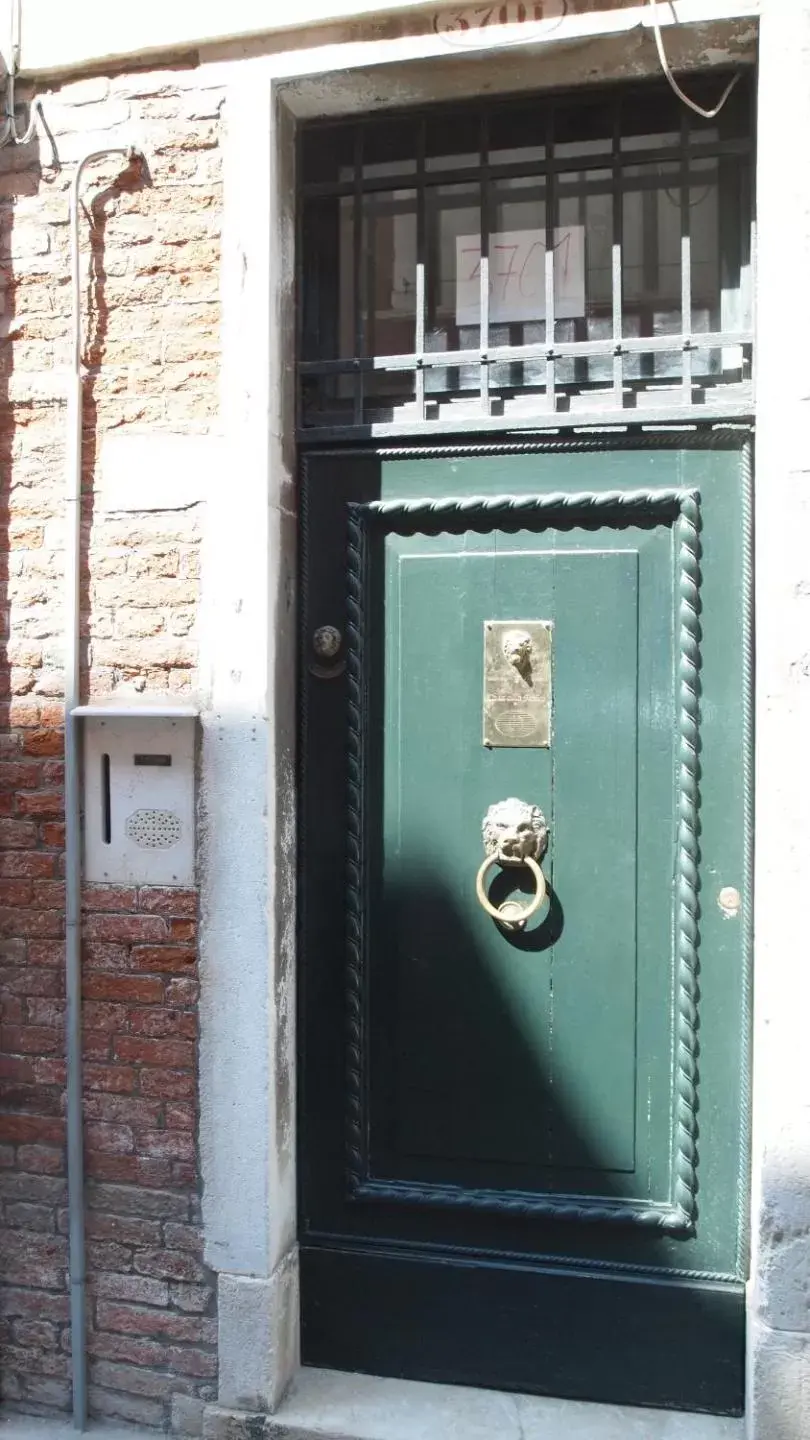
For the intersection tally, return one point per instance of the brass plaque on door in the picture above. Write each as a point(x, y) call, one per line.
point(517, 683)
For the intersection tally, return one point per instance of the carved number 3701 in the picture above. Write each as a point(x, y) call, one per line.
point(515, 12)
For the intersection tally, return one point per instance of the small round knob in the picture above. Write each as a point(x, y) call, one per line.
point(326, 642)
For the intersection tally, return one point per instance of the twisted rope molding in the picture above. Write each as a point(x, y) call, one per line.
point(432, 514)
point(618, 438)
point(747, 583)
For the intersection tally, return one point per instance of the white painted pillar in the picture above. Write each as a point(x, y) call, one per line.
point(779, 1328)
point(247, 940)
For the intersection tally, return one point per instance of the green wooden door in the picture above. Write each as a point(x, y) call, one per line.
point(523, 1150)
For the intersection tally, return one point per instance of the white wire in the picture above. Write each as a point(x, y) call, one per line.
point(662, 56)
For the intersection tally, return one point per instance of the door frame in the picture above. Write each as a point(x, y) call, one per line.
point(248, 755)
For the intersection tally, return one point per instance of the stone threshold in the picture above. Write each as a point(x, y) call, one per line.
point(329, 1405)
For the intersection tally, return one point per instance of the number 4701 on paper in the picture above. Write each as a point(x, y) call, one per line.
point(517, 275)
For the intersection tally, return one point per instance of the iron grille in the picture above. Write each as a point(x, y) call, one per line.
point(544, 262)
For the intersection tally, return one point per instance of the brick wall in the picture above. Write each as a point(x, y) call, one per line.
point(151, 261)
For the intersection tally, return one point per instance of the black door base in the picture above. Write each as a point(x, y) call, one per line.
point(629, 1340)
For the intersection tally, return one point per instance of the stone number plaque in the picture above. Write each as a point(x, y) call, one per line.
point(517, 683)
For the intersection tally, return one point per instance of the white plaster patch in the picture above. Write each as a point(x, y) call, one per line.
point(154, 471)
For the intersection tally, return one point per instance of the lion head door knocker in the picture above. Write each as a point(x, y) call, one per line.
point(515, 833)
point(327, 643)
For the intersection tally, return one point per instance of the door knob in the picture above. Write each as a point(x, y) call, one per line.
point(515, 833)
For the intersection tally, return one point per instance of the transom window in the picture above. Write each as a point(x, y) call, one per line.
point(545, 261)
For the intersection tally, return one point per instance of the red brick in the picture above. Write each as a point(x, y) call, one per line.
point(50, 1072)
point(183, 932)
point(187, 1361)
point(113, 1079)
point(145, 989)
point(30, 1217)
point(145, 1170)
point(34, 1304)
point(178, 904)
point(34, 982)
point(138, 1289)
point(49, 894)
point(104, 1017)
point(20, 774)
point(122, 1229)
point(42, 924)
point(163, 1324)
point(17, 835)
point(14, 1067)
point(109, 897)
point(123, 1109)
point(44, 742)
point(96, 1045)
point(166, 1144)
point(168, 1265)
point(109, 1139)
point(52, 833)
point(52, 712)
point(171, 1084)
point(26, 863)
point(30, 1039)
point(46, 1012)
point(195, 1299)
point(39, 1334)
point(129, 1348)
point(11, 1009)
point(41, 1159)
point(163, 958)
point(182, 992)
point(183, 1237)
point(16, 892)
point(127, 930)
point(176, 1054)
point(179, 1116)
point(46, 952)
point(106, 957)
point(30, 1099)
point(31, 1128)
point(12, 952)
point(184, 1173)
point(160, 1024)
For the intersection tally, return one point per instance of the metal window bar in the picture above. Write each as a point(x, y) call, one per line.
point(484, 268)
point(551, 206)
point(616, 263)
point(421, 261)
point(554, 175)
point(357, 273)
point(686, 263)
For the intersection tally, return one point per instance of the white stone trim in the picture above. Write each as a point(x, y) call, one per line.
point(55, 40)
point(247, 940)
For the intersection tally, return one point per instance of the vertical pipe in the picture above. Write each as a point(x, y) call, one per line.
point(73, 876)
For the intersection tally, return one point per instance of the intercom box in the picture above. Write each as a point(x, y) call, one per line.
point(139, 799)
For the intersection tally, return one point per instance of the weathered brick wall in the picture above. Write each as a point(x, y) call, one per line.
point(151, 266)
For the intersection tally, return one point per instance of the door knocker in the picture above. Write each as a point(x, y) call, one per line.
point(327, 643)
point(515, 833)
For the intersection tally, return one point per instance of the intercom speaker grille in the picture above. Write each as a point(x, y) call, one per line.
point(153, 829)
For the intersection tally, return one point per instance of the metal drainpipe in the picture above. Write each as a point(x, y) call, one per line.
point(73, 856)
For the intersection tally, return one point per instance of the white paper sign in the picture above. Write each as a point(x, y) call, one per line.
point(517, 284)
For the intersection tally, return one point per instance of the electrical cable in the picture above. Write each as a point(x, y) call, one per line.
point(662, 56)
